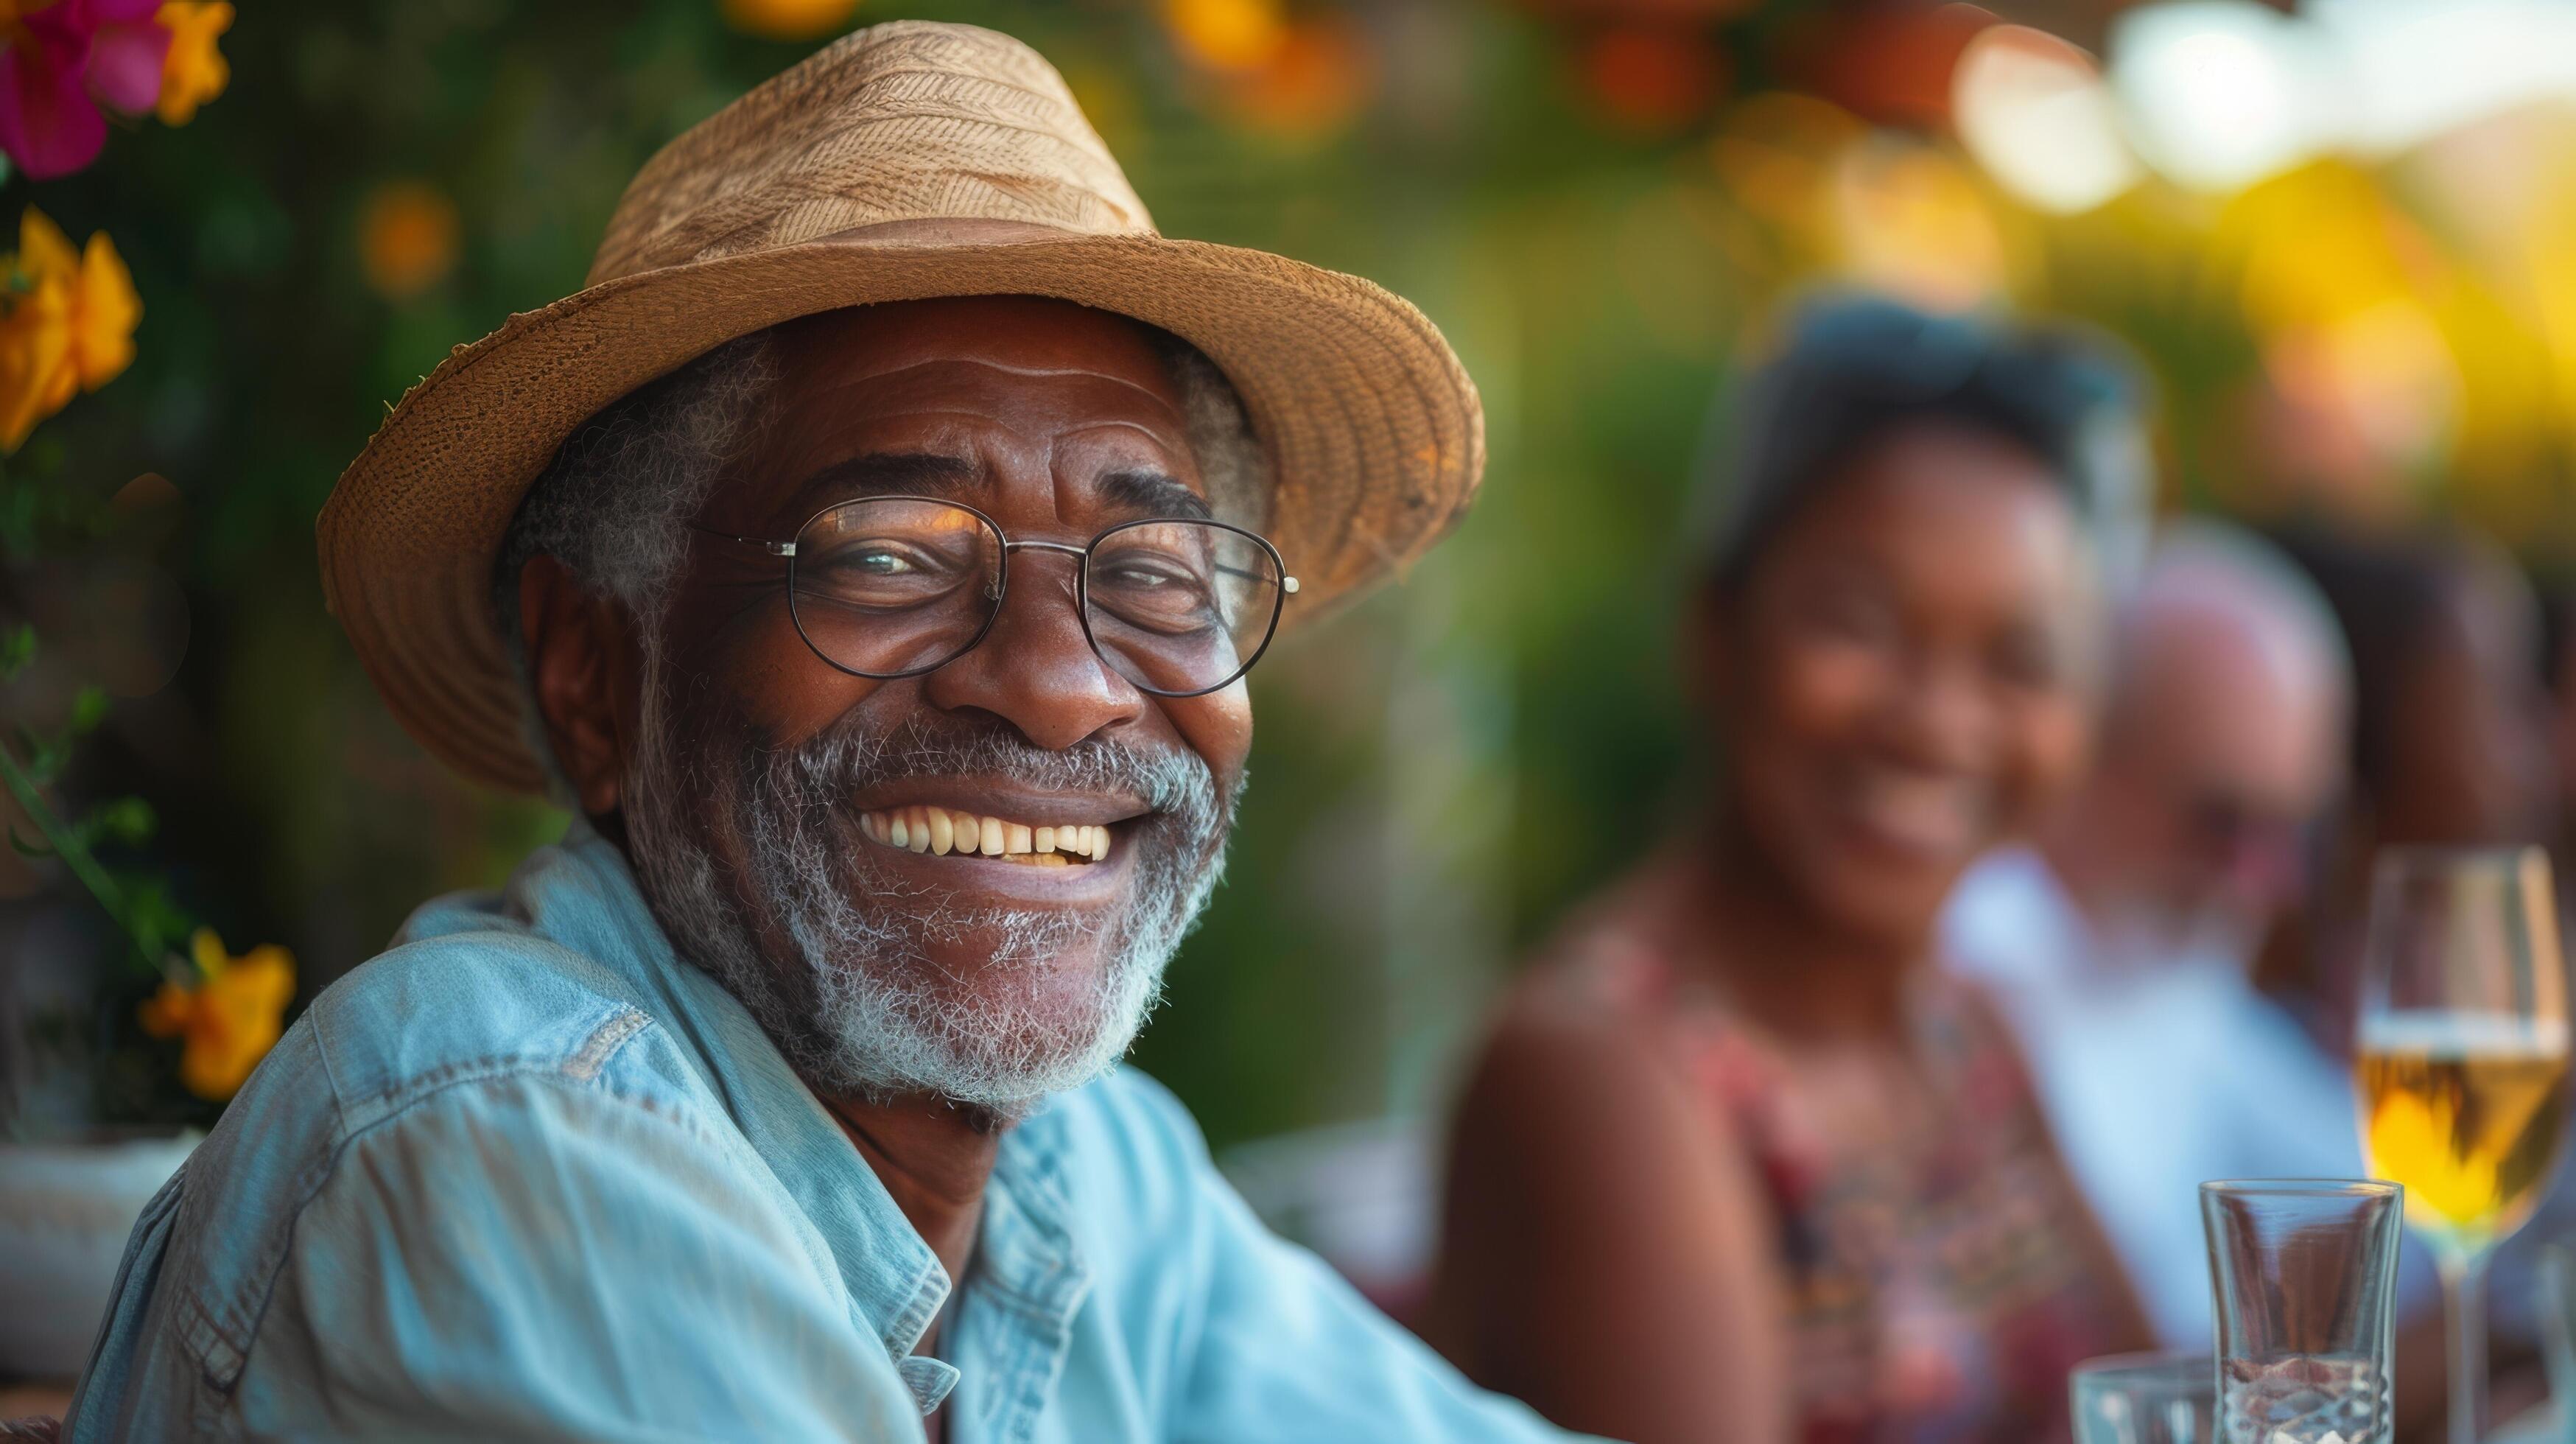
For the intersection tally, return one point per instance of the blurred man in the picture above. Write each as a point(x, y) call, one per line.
point(2119, 946)
point(888, 630)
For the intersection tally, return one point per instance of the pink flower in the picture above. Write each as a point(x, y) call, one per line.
point(64, 59)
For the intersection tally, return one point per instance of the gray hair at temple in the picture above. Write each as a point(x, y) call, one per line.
point(615, 503)
point(1852, 367)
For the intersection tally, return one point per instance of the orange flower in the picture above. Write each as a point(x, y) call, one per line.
point(1227, 35)
point(406, 238)
point(1311, 85)
point(194, 71)
point(788, 19)
point(66, 323)
point(230, 1019)
point(35, 340)
point(103, 308)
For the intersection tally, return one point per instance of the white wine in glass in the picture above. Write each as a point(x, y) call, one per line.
point(2462, 1066)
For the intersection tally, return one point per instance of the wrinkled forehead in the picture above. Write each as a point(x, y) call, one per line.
point(956, 384)
point(1065, 360)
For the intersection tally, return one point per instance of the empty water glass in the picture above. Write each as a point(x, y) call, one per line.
point(2143, 1399)
point(2305, 1276)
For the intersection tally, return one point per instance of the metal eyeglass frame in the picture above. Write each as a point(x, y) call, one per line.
point(1002, 585)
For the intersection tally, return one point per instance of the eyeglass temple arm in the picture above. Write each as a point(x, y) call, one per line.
point(774, 548)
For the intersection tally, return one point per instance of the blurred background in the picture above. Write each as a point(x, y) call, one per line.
point(2343, 236)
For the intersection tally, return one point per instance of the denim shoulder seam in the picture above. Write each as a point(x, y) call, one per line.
point(223, 1343)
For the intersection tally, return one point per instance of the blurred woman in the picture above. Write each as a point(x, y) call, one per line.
point(1736, 1165)
point(2450, 734)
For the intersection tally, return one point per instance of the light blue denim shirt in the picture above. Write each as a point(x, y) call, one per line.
point(529, 1175)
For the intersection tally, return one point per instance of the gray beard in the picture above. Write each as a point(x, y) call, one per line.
point(862, 1008)
point(2139, 935)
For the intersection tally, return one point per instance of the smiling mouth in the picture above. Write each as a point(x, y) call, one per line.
point(942, 831)
point(1932, 815)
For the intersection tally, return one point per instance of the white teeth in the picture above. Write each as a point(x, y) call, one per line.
point(937, 830)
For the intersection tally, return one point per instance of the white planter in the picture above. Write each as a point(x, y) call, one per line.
point(65, 1211)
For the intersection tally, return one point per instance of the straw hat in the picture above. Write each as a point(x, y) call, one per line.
point(906, 161)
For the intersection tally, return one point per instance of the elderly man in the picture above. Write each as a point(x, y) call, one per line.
point(886, 624)
point(2119, 946)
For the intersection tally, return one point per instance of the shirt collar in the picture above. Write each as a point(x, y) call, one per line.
point(895, 1283)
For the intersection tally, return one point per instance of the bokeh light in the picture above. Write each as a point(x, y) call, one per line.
point(2035, 113)
point(2220, 93)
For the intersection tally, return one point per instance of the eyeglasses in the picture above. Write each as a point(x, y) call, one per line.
point(896, 586)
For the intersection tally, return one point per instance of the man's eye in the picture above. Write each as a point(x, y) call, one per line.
point(879, 559)
point(885, 572)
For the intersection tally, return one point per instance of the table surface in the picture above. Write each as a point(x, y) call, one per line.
point(22, 1397)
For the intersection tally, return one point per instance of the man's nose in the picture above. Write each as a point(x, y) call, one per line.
point(1036, 668)
point(2264, 865)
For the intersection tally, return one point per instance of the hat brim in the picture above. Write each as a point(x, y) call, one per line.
point(1374, 433)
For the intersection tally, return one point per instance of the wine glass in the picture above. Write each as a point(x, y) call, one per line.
point(2462, 1066)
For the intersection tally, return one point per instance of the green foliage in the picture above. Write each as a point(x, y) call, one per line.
point(17, 650)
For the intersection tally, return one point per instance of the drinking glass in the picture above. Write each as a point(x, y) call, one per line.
point(2304, 1276)
point(2558, 1334)
point(2462, 1066)
point(2142, 1399)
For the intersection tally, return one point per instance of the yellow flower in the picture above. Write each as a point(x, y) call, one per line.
point(230, 1019)
point(788, 19)
point(66, 323)
point(406, 238)
point(193, 72)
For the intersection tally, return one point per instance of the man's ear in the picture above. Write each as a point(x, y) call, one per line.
point(577, 646)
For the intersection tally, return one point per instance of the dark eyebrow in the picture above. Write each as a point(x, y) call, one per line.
point(1153, 493)
point(889, 473)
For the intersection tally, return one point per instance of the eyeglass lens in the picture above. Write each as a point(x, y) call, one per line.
point(894, 586)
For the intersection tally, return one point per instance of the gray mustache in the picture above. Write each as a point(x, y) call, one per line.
point(1168, 780)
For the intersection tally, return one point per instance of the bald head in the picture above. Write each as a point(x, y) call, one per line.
point(2223, 741)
